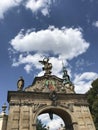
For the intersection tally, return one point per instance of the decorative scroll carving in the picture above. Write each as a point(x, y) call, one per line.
point(67, 106)
point(51, 83)
point(37, 106)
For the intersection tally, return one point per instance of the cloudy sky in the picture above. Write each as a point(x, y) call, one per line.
point(64, 30)
point(53, 124)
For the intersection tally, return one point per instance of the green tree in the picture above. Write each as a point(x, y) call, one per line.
point(92, 96)
point(40, 125)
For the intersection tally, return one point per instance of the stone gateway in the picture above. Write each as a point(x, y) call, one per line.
point(47, 94)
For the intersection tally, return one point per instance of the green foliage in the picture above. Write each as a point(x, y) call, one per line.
point(92, 96)
point(40, 125)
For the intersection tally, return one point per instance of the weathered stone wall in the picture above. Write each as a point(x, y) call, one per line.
point(83, 117)
point(3, 121)
point(26, 106)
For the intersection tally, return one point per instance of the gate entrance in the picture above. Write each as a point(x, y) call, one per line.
point(62, 114)
point(48, 94)
point(55, 124)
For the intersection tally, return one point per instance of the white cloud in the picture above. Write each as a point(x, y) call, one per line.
point(95, 24)
point(39, 5)
point(45, 11)
point(67, 43)
point(28, 59)
point(34, 5)
point(44, 118)
point(63, 44)
point(53, 124)
point(28, 68)
point(5, 5)
point(83, 81)
point(31, 61)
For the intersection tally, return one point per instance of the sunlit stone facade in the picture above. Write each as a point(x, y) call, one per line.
point(47, 94)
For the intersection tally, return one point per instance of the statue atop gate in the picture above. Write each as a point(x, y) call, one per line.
point(47, 66)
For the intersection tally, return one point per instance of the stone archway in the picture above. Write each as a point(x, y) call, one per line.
point(48, 93)
point(64, 114)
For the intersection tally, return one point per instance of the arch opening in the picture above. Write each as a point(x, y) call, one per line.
point(58, 117)
point(54, 124)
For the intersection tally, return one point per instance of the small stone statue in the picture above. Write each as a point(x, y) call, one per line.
point(20, 84)
point(66, 78)
point(4, 108)
point(47, 66)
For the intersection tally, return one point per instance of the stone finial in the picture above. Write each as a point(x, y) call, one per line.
point(47, 66)
point(66, 78)
point(20, 84)
point(4, 108)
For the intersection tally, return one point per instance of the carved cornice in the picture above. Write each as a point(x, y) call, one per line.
point(27, 98)
point(20, 104)
point(81, 103)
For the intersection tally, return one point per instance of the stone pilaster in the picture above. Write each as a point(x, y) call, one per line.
point(3, 118)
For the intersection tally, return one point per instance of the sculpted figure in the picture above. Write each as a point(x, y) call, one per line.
point(47, 66)
point(20, 84)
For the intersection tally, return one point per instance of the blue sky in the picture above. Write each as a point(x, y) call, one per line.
point(64, 30)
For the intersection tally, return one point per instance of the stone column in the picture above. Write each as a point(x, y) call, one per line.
point(34, 126)
point(75, 125)
point(3, 118)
